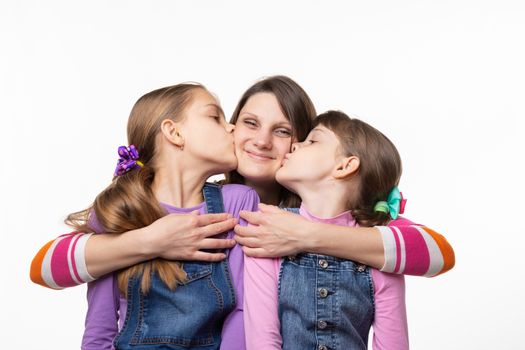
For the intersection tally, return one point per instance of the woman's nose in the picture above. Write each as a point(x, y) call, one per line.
point(295, 146)
point(263, 140)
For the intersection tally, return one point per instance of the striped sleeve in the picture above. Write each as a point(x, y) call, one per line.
point(412, 249)
point(61, 262)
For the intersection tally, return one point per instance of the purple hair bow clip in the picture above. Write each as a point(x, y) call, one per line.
point(128, 160)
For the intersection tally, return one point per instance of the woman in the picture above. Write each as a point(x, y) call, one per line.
point(270, 115)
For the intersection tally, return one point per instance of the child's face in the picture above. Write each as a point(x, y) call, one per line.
point(311, 161)
point(262, 138)
point(208, 137)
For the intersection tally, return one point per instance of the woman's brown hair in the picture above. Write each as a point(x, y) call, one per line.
point(128, 202)
point(379, 167)
point(296, 107)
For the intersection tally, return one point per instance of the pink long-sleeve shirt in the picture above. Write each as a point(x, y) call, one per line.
point(261, 320)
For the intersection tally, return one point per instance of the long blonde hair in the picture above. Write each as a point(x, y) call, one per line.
point(128, 202)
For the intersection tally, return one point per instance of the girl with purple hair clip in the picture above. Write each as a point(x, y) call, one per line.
point(160, 303)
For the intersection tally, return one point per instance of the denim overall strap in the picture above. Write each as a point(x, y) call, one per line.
point(325, 303)
point(189, 317)
point(213, 197)
point(214, 203)
point(292, 210)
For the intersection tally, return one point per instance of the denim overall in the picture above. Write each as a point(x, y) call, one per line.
point(325, 303)
point(192, 315)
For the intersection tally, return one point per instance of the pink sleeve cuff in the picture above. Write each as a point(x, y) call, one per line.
point(64, 264)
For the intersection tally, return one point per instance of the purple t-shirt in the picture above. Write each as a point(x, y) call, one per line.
point(107, 307)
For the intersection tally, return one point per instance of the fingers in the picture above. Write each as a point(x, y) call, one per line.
point(250, 242)
point(256, 252)
point(211, 257)
point(246, 231)
point(265, 208)
point(216, 243)
point(218, 227)
point(252, 217)
point(207, 219)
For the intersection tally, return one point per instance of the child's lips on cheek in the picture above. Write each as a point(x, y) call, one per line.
point(286, 158)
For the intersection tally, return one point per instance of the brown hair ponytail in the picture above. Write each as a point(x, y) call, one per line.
point(128, 202)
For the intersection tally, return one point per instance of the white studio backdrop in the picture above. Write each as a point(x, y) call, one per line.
point(443, 79)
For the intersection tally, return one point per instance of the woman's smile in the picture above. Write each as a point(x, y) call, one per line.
point(259, 156)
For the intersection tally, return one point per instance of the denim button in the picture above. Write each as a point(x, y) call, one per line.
point(323, 263)
point(323, 292)
point(322, 324)
point(322, 347)
point(361, 268)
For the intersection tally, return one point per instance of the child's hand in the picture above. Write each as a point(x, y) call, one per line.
point(184, 236)
point(276, 232)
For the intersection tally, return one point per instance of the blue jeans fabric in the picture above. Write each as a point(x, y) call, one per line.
point(325, 303)
point(190, 316)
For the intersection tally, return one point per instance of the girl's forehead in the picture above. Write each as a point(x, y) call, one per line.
point(206, 100)
point(204, 97)
point(212, 106)
point(321, 129)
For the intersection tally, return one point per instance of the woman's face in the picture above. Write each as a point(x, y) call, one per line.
point(263, 135)
point(208, 137)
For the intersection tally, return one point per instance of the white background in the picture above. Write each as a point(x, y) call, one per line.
point(445, 80)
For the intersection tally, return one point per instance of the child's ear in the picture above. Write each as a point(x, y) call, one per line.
point(172, 132)
point(346, 167)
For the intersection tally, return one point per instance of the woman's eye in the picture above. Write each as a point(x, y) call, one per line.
point(283, 132)
point(310, 141)
point(250, 123)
